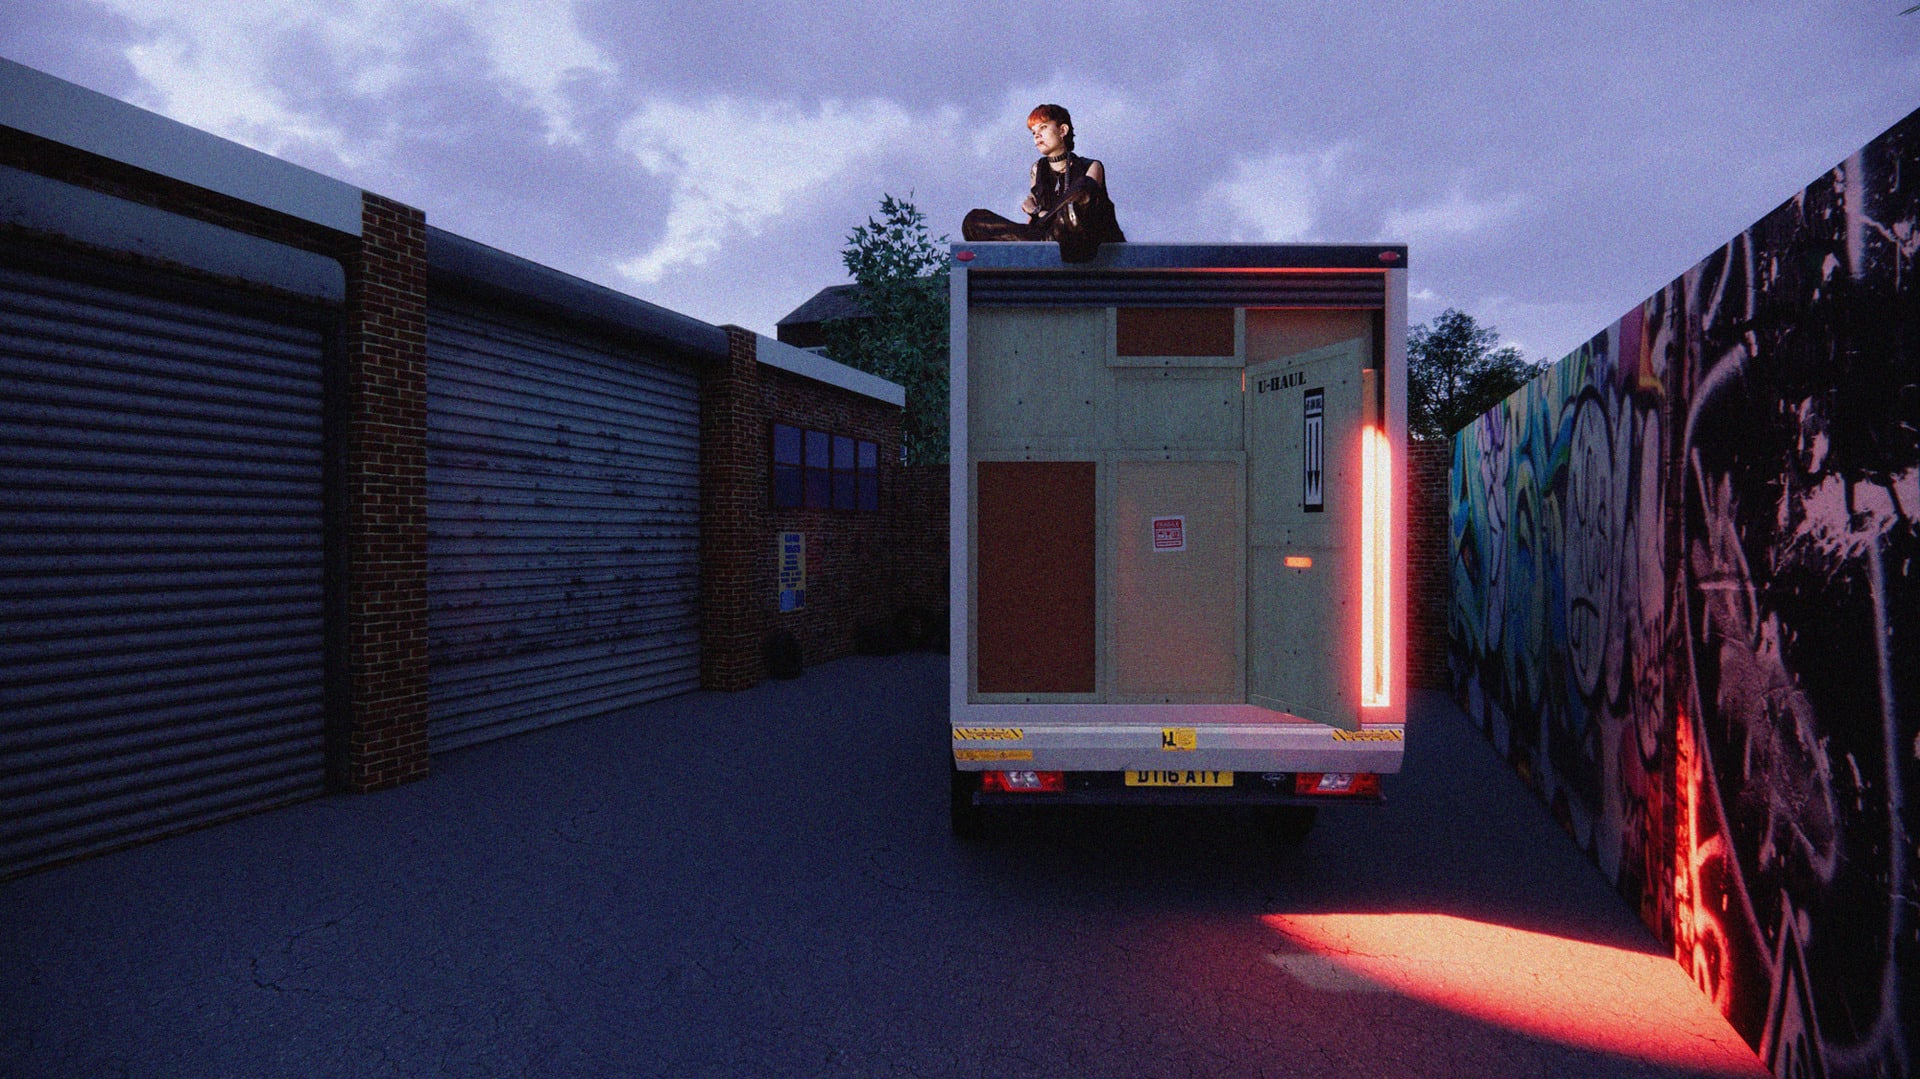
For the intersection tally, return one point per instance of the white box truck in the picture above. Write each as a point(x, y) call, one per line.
point(1177, 526)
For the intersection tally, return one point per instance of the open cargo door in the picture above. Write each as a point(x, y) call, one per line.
point(1304, 450)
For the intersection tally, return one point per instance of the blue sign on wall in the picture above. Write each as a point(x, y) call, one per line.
point(793, 571)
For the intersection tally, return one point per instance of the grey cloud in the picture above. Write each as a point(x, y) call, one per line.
point(1631, 138)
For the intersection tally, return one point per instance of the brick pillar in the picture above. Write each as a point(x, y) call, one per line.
point(384, 742)
point(1429, 561)
point(733, 482)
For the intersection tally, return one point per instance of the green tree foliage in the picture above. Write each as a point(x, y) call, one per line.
point(1455, 372)
point(902, 274)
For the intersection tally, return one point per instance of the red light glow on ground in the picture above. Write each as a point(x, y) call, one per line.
point(1578, 993)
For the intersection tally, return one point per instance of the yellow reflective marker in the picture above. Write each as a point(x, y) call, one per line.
point(988, 734)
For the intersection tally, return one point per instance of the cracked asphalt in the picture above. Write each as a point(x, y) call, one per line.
point(763, 884)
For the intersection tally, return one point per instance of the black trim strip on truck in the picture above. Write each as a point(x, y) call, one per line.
point(1187, 258)
point(1137, 288)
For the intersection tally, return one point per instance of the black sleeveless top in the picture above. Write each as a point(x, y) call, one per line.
point(1084, 220)
point(1098, 223)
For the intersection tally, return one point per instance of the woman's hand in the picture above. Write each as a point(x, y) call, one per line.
point(1028, 206)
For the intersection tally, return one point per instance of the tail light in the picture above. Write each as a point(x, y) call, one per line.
point(1023, 782)
point(1376, 567)
point(1349, 784)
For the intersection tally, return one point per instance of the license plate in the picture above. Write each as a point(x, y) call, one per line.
point(1188, 778)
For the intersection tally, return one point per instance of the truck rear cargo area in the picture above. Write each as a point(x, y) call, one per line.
point(1175, 559)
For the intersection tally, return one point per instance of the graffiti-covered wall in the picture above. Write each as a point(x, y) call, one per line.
point(1684, 606)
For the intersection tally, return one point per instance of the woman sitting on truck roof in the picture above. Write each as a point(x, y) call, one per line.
point(1066, 198)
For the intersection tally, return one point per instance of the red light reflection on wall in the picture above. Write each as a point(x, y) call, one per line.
point(1577, 993)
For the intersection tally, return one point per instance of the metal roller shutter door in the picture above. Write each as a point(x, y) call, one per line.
point(162, 653)
point(563, 509)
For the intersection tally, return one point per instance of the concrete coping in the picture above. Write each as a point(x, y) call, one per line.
point(806, 364)
point(72, 115)
point(495, 274)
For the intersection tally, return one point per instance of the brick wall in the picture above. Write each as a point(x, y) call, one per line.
point(1428, 462)
point(851, 570)
point(851, 576)
point(385, 738)
point(920, 536)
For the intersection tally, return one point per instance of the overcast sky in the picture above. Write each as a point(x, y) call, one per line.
point(1548, 164)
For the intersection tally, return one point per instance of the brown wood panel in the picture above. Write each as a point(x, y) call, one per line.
point(1173, 331)
point(1034, 552)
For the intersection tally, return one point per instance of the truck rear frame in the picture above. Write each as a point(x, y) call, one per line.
point(1176, 515)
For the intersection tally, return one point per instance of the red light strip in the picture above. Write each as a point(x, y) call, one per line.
point(1376, 567)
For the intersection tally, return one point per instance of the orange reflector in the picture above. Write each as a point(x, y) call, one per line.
point(1299, 561)
point(1376, 567)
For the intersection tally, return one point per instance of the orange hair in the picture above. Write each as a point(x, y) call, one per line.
point(1056, 114)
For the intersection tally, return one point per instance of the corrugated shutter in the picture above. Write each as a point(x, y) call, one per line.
point(1147, 288)
point(161, 562)
point(563, 526)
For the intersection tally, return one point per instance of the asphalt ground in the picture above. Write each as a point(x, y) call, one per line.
point(763, 884)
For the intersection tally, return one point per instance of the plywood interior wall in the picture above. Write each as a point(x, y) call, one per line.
point(1038, 380)
point(1178, 624)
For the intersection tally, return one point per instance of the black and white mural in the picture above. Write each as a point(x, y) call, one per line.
point(1685, 605)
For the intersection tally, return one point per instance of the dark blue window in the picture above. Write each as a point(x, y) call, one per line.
point(868, 475)
point(786, 444)
point(819, 470)
point(787, 464)
point(844, 490)
point(819, 484)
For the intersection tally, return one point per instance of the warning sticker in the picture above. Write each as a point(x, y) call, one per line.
point(793, 571)
point(1179, 739)
point(1313, 451)
point(1169, 534)
point(993, 754)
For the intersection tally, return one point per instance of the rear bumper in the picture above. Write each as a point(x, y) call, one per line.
point(1032, 741)
point(1109, 788)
